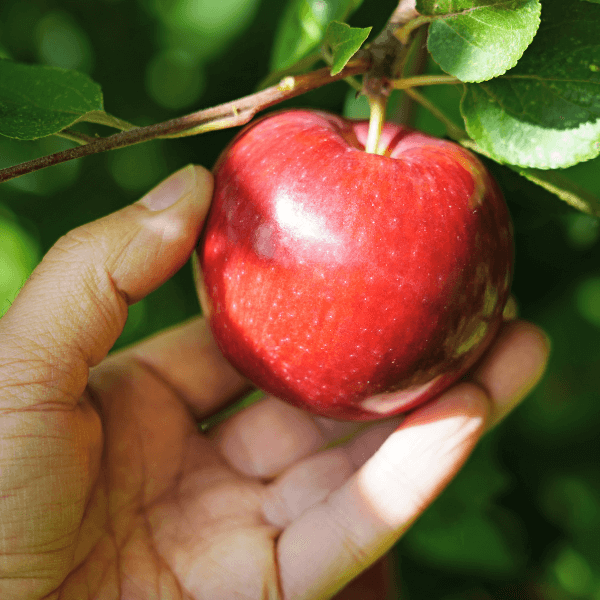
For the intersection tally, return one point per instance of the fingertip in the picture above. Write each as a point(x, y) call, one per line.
point(463, 406)
point(266, 438)
point(173, 216)
point(514, 366)
point(191, 180)
point(204, 182)
point(202, 190)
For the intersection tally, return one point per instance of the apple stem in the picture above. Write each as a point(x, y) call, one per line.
point(377, 104)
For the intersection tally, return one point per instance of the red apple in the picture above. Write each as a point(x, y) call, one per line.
point(353, 285)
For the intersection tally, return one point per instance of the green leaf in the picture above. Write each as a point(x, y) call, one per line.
point(564, 188)
point(476, 40)
point(303, 27)
point(554, 182)
point(37, 101)
point(547, 193)
point(545, 112)
point(344, 41)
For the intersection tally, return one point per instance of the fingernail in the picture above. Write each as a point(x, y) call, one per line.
point(172, 189)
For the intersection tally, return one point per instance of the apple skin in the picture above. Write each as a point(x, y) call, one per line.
point(353, 285)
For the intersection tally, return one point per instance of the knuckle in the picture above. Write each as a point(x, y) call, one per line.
point(351, 540)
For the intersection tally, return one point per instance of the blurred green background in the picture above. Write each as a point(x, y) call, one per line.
point(522, 520)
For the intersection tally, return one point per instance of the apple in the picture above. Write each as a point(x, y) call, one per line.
point(353, 285)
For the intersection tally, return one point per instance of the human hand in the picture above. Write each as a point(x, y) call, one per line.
point(108, 490)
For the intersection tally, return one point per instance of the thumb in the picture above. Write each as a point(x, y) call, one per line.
point(74, 306)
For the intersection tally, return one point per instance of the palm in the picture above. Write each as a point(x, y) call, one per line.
point(175, 512)
point(165, 509)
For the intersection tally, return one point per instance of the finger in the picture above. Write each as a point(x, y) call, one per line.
point(331, 543)
point(513, 367)
point(304, 485)
point(265, 438)
point(186, 360)
point(268, 437)
point(335, 430)
point(313, 479)
point(74, 306)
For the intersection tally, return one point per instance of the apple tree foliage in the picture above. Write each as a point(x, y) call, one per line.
point(516, 80)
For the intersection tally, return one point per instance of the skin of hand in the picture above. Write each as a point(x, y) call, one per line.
point(109, 491)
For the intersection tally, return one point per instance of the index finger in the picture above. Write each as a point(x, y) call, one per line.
point(513, 367)
point(186, 359)
point(333, 541)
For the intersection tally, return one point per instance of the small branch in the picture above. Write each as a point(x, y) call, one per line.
point(420, 80)
point(236, 120)
point(303, 64)
point(230, 114)
point(453, 130)
point(403, 32)
point(388, 53)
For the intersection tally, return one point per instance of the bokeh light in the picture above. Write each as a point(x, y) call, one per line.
point(204, 26)
point(175, 79)
point(19, 254)
point(587, 299)
point(137, 168)
point(582, 230)
point(62, 43)
point(574, 573)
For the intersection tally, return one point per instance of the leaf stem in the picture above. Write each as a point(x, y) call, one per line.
point(351, 81)
point(100, 117)
point(420, 80)
point(229, 114)
point(454, 131)
point(75, 136)
point(414, 65)
point(403, 33)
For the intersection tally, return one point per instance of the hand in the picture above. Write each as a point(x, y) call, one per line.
point(109, 490)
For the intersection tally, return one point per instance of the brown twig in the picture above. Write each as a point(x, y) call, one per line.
point(405, 11)
point(230, 114)
point(387, 52)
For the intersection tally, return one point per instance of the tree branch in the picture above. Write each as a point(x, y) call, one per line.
point(230, 114)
